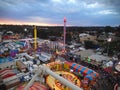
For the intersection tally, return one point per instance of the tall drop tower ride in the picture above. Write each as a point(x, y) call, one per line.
point(64, 31)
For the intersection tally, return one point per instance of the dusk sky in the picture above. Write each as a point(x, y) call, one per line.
point(52, 12)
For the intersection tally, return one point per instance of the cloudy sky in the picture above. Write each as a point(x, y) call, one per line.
point(52, 12)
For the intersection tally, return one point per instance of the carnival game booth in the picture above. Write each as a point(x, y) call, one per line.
point(9, 78)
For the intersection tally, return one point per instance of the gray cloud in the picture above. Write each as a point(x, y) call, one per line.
point(78, 12)
point(113, 4)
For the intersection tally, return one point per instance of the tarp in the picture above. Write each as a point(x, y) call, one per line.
point(13, 52)
point(20, 43)
point(10, 58)
point(4, 60)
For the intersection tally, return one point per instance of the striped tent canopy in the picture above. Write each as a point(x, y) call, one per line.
point(92, 76)
point(80, 68)
point(7, 73)
point(88, 73)
point(35, 86)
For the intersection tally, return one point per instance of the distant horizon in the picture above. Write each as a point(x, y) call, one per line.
point(56, 25)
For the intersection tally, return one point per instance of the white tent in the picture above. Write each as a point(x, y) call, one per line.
point(30, 62)
point(109, 64)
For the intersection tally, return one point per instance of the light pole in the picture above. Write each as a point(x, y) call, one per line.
point(25, 31)
point(108, 40)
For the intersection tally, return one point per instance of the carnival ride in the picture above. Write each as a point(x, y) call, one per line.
point(61, 79)
point(43, 69)
point(54, 83)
